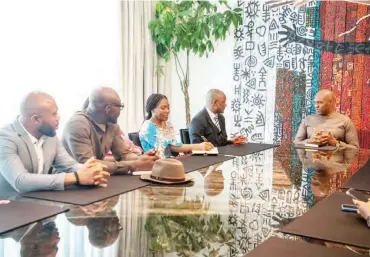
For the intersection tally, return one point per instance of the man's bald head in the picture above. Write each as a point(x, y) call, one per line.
point(39, 114)
point(103, 96)
point(104, 105)
point(325, 102)
point(216, 101)
point(328, 94)
point(36, 103)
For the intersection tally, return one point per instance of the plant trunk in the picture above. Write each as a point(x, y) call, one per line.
point(187, 104)
point(184, 82)
point(186, 90)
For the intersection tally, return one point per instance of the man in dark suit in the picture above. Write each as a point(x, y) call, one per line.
point(209, 123)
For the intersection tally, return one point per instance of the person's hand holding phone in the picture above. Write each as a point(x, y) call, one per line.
point(361, 201)
point(363, 208)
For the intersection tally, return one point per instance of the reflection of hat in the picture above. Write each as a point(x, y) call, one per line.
point(167, 171)
point(168, 193)
point(214, 183)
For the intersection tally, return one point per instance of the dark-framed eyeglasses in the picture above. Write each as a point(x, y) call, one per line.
point(120, 106)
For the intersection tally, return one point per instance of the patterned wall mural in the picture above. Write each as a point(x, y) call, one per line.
point(284, 54)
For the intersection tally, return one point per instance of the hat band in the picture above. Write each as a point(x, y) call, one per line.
point(167, 179)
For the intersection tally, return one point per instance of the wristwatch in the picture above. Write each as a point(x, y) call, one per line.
point(368, 221)
point(77, 178)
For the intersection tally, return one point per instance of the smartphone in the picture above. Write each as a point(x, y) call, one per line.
point(349, 208)
point(357, 195)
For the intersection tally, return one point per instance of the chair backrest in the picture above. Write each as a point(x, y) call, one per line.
point(184, 135)
point(134, 137)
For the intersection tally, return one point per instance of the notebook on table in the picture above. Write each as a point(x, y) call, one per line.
point(214, 151)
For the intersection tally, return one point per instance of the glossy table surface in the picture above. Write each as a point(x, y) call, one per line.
point(227, 210)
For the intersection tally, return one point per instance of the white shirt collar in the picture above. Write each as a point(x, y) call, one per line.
point(211, 114)
point(33, 139)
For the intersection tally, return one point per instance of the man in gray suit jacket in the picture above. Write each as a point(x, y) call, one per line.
point(209, 123)
point(31, 156)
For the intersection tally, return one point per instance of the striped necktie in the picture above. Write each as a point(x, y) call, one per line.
point(217, 122)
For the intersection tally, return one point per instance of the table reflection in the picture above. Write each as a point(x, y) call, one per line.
point(227, 210)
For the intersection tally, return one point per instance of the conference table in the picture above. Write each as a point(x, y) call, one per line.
point(228, 210)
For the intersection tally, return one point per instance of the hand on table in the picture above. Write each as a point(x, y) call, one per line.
point(206, 146)
point(239, 140)
point(146, 161)
point(93, 173)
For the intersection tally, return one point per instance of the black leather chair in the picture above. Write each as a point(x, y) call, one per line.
point(184, 135)
point(134, 137)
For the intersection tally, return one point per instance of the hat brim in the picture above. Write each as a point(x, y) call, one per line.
point(148, 178)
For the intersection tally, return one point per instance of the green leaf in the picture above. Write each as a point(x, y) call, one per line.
point(158, 7)
point(206, 29)
point(238, 10)
point(228, 21)
point(210, 46)
point(220, 30)
point(217, 20)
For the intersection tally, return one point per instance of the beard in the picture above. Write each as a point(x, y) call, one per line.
point(113, 120)
point(47, 130)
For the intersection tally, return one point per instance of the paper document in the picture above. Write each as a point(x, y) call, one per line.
point(140, 172)
point(311, 145)
point(214, 151)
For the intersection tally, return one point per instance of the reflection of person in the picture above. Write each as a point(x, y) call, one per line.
point(37, 239)
point(95, 132)
point(210, 123)
point(325, 164)
point(336, 161)
point(158, 133)
point(363, 210)
point(100, 219)
point(320, 184)
point(31, 156)
point(327, 127)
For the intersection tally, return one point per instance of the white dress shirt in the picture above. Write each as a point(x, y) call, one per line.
point(38, 148)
